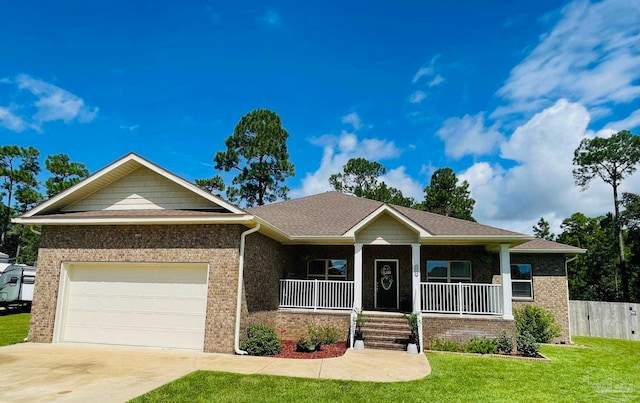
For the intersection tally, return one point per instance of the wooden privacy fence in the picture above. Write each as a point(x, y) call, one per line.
point(616, 320)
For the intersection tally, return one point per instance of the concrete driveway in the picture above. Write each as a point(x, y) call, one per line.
point(33, 372)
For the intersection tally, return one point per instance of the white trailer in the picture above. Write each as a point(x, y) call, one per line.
point(17, 282)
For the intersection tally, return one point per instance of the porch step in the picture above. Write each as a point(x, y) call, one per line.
point(386, 332)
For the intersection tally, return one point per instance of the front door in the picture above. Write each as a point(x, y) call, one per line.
point(386, 284)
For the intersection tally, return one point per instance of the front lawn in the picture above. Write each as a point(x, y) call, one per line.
point(605, 371)
point(13, 328)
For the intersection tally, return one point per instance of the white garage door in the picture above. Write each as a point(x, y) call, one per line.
point(160, 305)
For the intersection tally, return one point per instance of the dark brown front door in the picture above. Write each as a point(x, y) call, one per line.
point(386, 284)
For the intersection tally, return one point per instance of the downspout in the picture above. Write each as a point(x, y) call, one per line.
point(566, 274)
point(236, 338)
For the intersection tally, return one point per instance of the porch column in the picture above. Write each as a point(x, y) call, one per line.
point(415, 277)
point(505, 275)
point(357, 277)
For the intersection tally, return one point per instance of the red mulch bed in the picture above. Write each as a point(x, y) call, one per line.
point(333, 350)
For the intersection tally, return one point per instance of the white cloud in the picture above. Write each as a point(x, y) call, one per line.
point(399, 179)
point(590, 56)
point(437, 80)
point(131, 128)
point(337, 150)
point(11, 121)
point(352, 119)
point(417, 97)
point(54, 103)
point(541, 182)
point(630, 123)
point(45, 103)
point(468, 136)
point(428, 71)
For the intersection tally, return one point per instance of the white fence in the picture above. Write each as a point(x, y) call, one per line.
point(316, 294)
point(616, 320)
point(462, 298)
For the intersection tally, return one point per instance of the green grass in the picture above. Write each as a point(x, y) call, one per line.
point(14, 328)
point(607, 371)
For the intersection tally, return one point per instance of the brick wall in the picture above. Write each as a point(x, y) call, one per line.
point(293, 324)
point(216, 245)
point(549, 287)
point(462, 329)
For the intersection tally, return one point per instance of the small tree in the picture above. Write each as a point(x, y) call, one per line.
point(444, 196)
point(18, 167)
point(611, 159)
point(257, 149)
point(64, 173)
point(542, 230)
point(213, 185)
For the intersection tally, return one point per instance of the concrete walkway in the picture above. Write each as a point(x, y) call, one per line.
point(80, 372)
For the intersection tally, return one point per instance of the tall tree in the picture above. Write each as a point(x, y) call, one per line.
point(18, 167)
point(213, 185)
point(611, 159)
point(630, 218)
point(257, 149)
point(360, 177)
point(64, 173)
point(27, 240)
point(542, 230)
point(594, 275)
point(446, 197)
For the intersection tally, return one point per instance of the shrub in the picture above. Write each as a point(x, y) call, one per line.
point(329, 334)
point(504, 344)
point(444, 345)
point(261, 340)
point(481, 345)
point(527, 345)
point(306, 344)
point(538, 322)
point(412, 321)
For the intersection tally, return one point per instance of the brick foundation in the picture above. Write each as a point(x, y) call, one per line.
point(462, 329)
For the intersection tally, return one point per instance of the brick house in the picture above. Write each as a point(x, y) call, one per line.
point(134, 255)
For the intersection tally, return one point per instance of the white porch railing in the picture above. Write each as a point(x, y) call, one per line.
point(316, 294)
point(461, 298)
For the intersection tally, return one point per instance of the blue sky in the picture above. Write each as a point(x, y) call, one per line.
point(502, 92)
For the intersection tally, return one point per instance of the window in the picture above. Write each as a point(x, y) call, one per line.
point(521, 285)
point(448, 271)
point(327, 269)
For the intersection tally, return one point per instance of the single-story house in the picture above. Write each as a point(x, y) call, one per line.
point(135, 255)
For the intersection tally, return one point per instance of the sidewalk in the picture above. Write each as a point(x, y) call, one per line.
point(97, 373)
point(355, 365)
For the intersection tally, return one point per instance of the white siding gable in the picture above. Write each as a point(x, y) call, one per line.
point(386, 230)
point(142, 189)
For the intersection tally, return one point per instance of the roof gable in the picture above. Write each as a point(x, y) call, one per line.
point(132, 183)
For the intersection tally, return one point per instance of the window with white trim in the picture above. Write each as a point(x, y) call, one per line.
point(449, 271)
point(521, 284)
point(327, 269)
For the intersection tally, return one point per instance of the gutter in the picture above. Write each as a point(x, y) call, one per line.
point(236, 337)
point(566, 274)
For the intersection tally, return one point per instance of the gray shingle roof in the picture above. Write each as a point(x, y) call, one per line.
point(333, 214)
point(541, 244)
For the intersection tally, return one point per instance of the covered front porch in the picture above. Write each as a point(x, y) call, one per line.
point(434, 279)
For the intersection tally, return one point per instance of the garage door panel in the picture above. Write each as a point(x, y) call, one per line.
point(161, 305)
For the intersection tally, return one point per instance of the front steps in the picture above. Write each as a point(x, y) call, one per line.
point(386, 332)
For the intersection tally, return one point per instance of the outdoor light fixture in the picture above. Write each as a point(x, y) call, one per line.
point(416, 270)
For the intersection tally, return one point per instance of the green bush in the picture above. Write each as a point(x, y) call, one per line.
point(307, 344)
point(481, 345)
point(527, 345)
point(329, 334)
point(538, 322)
point(444, 345)
point(261, 340)
point(504, 344)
